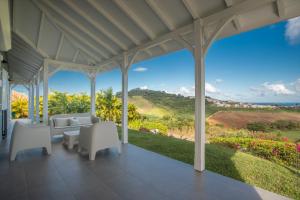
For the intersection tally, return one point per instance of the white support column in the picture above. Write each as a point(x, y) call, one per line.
point(199, 160)
point(28, 92)
point(31, 101)
point(92, 77)
point(11, 86)
point(45, 93)
point(37, 98)
point(124, 69)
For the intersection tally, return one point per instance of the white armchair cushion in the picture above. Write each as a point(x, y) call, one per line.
point(74, 121)
point(84, 120)
point(61, 122)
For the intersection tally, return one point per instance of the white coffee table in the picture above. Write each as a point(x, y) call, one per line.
point(71, 138)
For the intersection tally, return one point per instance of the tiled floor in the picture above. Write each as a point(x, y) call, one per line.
point(135, 174)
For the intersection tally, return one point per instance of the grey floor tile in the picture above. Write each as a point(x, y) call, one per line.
point(135, 174)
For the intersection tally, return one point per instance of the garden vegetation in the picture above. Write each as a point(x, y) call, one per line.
point(265, 154)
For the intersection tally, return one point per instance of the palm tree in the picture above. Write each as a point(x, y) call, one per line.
point(58, 103)
point(78, 103)
point(108, 106)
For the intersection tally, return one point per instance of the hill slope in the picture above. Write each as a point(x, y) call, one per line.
point(146, 107)
point(160, 103)
point(172, 103)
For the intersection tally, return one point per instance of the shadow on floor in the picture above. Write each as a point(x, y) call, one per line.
point(135, 174)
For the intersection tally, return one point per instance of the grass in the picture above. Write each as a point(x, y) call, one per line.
point(147, 108)
point(293, 135)
point(225, 161)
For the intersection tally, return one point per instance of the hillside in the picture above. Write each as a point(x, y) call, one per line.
point(160, 103)
point(146, 107)
point(171, 103)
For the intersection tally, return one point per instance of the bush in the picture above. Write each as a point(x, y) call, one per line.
point(258, 126)
point(285, 125)
point(277, 125)
point(282, 152)
point(148, 125)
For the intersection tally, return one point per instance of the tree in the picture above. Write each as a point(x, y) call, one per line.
point(19, 105)
point(133, 113)
point(61, 103)
point(57, 103)
point(78, 103)
point(108, 106)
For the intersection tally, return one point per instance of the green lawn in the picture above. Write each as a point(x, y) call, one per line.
point(225, 161)
point(293, 135)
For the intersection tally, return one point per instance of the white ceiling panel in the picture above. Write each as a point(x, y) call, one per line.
point(49, 38)
point(97, 33)
point(67, 51)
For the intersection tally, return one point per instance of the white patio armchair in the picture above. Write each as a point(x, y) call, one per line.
point(28, 136)
point(97, 137)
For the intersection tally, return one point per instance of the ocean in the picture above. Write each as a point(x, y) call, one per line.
point(289, 104)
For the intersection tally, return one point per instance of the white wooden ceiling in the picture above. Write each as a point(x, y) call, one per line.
point(94, 34)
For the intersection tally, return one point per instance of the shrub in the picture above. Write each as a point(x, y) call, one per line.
point(285, 125)
point(149, 125)
point(265, 136)
point(277, 125)
point(258, 126)
point(278, 151)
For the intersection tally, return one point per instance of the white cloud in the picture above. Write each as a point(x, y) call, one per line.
point(145, 87)
point(296, 85)
point(140, 69)
point(186, 91)
point(209, 88)
point(190, 91)
point(258, 91)
point(218, 80)
point(292, 31)
point(278, 89)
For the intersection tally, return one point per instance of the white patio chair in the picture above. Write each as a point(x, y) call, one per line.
point(28, 136)
point(99, 136)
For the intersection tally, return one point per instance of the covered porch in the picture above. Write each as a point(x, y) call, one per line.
point(135, 174)
point(43, 37)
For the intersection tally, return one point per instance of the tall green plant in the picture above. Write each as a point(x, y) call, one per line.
point(63, 103)
point(108, 106)
point(58, 103)
point(78, 103)
point(19, 107)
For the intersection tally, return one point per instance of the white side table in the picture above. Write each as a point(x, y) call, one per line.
point(71, 138)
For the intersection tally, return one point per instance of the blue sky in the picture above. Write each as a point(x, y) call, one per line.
point(262, 65)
